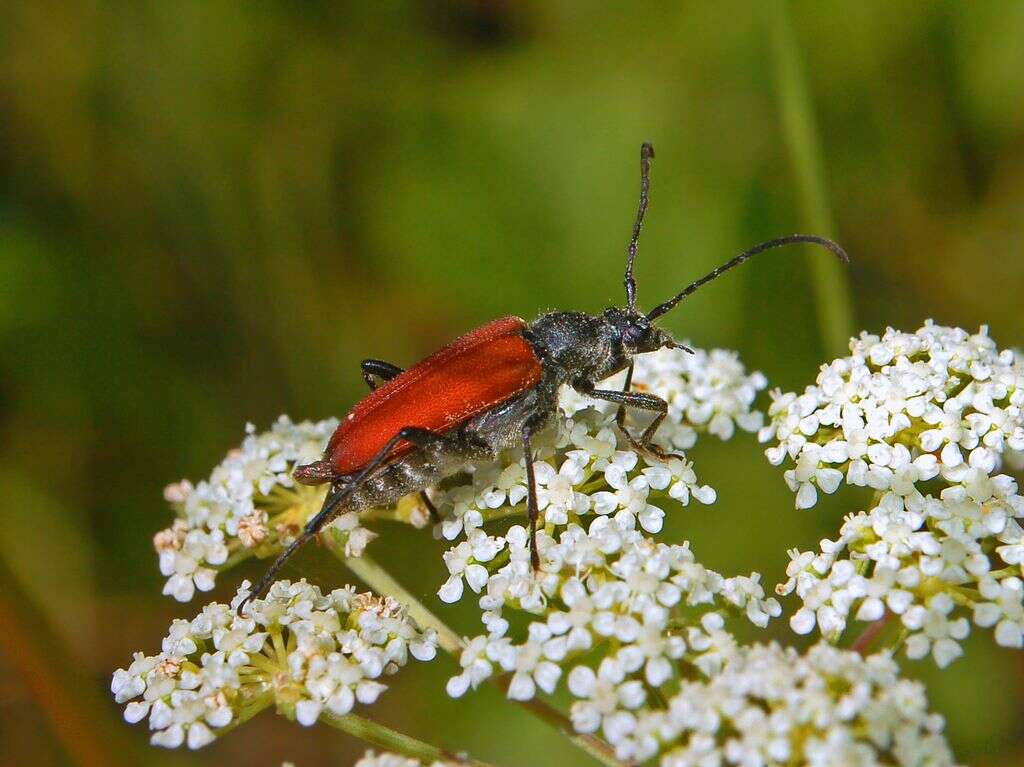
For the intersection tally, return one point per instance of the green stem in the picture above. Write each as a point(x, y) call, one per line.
point(596, 747)
point(834, 305)
point(247, 711)
point(378, 579)
point(377, 734)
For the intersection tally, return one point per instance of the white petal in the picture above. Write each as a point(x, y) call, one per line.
point(803, 621)
point(806, 496)
point(476, 577)
point(457, 686)
point(521, 687)
point(199, 735)
point(451, 591)
point(307, 712)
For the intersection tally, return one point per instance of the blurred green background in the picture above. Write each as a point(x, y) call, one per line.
point(211, 210)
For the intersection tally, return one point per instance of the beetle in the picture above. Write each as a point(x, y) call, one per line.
point(492, 389)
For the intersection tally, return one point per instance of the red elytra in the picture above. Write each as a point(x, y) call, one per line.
point(467, 377)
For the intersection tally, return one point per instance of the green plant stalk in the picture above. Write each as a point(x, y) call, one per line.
point(381, 581)
point(832, 293)
point(377, 734)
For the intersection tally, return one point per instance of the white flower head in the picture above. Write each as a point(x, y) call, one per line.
point(924, 420)
point(299, 649)
point(603, 580)
point(249, 504)
point(770, 705)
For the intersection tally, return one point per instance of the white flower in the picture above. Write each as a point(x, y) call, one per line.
point(936, 632)
point(925, 420)
point(705, 391)
point(827, 707)
point(1005, 610)
point(299, 648)
point(475, 667)
point(900, 410)
point(606, 700)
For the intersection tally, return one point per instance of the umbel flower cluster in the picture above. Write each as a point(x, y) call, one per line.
point(670, 677)
point(604, 580)
point(636, 630)
point(249, 506)
point(926, 421)
point(770, 705)
point(307, 653)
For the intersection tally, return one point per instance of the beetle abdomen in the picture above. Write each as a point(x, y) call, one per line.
point(469, 376)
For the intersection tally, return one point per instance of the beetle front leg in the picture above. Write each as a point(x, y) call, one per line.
point(620, 414)
point(639, 401)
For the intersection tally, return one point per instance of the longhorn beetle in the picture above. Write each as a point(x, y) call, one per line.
point(493, 388)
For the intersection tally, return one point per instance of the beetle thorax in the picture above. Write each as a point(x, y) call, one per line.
point(577, 345)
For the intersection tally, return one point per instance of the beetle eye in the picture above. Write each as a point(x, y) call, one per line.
point(632, 334)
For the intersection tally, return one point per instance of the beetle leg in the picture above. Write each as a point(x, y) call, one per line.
point(531, 489)
point(639, 401)
point(385, 371)
point(449, 444)
point(435, 516)
point(620, 414)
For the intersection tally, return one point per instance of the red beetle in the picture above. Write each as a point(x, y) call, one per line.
point(490, 390)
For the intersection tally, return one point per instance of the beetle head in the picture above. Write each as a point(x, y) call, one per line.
point(636, 333)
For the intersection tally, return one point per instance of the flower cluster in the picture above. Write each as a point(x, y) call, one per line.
point(924, 420)
point(249, 505)
point(773, 706)
point(310, 654)
point(636, 628)
point(604, 582)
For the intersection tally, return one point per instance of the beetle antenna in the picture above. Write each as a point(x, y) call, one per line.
point(312, 528)
point(646, 153)
point(693, 287)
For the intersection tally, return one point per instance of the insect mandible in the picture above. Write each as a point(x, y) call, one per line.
point(493, 389)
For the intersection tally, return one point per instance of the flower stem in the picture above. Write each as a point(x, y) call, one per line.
point(834, 305)
point(381, 581)
point(377, 734)
point(868, 636)
point(594, 746)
